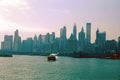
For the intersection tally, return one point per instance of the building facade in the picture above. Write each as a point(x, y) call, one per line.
point(75, 32)
point(6, 45)
point(81, 40)
point(63, 39)
point(100, 38)
point(88, 33)
point(17, 42)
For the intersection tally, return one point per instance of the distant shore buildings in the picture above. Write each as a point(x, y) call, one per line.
point(44, 44)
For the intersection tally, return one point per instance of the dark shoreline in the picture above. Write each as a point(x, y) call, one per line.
point(73, 55)
point(6, 55)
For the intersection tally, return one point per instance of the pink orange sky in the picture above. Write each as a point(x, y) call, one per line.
point(41, 16)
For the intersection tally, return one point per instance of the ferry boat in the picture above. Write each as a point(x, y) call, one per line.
point(52, 57)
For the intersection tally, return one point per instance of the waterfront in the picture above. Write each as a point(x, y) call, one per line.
point(23, 67)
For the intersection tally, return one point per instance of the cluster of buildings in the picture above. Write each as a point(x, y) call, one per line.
point(44, 44)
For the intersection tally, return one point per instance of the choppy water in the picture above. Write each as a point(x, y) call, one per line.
point(66, 68)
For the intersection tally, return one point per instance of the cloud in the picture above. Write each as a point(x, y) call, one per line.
point(12, 10)
point(14, 3)
point(8, 7)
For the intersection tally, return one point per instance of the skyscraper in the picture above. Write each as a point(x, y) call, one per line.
point(52, 37)
point(7, 43)
point(88, 33)
point(35, 44)
point(119, 44)
point(100, 37)
point(75, 32)
point(47, 38)
point(63, 39)
point(17, 42)
point(40, 44)
point(97, 36)
point(27, 45)
point(81, 40)
point(71, 44)
point(63, 33)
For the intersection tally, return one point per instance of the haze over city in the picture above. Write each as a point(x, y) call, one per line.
point(32, 17)
point(60, 39)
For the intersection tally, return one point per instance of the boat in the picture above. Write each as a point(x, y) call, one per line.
point(52, 57)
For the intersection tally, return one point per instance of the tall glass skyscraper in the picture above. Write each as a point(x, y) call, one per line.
point(88, 33)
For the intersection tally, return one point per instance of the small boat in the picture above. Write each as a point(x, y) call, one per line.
point(52, 57)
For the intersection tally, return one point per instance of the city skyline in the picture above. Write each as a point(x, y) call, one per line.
point(45, 44)
point(87, 30)
point(63, 33)
point(42, 16)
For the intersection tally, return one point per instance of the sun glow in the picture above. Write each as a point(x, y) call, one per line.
point(9, 5)
point(9, 9)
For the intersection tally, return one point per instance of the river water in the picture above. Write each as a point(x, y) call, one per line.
point(23, 67)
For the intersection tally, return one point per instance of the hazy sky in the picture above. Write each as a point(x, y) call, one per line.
point(41, 16)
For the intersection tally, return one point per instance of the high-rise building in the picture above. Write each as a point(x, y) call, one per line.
point(35, 44)
point(88, 33)
point(17, 42)
point(63, 33)
point(71, 45)
point(111, 46)
point(24, 46)
point(100, 37)
point(56, 45)
point(52, 37)
point(27, 45)
point(52, 40)
point(71, 37)
point(47, 38)
point(119, 44)
point(81, 40)
point(97, 36)
point(2, 45)
point(63, 39)
point(75, 32)
point(6, 45)
point(40, 43)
